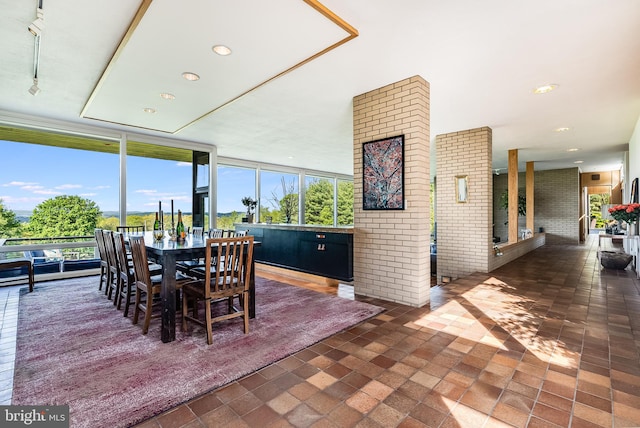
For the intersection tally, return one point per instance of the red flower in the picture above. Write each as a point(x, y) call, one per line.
point(626, 212)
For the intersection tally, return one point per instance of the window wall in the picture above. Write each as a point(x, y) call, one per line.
point(234, 183)
point(319, 200)
point(279, 197)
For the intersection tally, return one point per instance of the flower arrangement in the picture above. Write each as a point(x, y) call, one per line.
point(626, 212)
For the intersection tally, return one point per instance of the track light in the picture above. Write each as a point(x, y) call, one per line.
point(34, 90)
point(38, 24)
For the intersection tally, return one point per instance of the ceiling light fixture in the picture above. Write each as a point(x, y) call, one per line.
point(573, 150)
point(190, 76)
point(545, 88)
point(221, 50)
point(37, 25)
point(36, 29)
point(149, 110)
point(578, 161)
point(563, 129)
point(34, 90)
point(167, 96)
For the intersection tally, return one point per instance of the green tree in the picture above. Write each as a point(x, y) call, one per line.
point(345, 203)
point(66, 215)
point(9, 226)
point(318, 207)
point(108, 223)
point(288, 204)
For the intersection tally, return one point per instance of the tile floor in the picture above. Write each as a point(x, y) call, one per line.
point(549, 340)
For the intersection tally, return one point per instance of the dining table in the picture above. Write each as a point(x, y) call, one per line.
point(166, 252)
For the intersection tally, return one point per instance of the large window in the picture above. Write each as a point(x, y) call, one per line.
point(151, 180)
point(279, 198)
point(234, 183)
point(35, 173)
point(345, 203)
point(318, 202)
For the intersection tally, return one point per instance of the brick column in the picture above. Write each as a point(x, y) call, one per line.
point(391, 248)
point(464, 229)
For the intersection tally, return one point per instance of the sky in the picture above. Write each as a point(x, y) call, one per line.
point(37, 173)
point(31, 174)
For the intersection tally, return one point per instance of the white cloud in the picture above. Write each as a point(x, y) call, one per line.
point(68, 186)
point(85, 195)
point(100, 187)
point(33, 188)
point(183, 164)
point(46, 192)
point(18, 184)
point(147, 192)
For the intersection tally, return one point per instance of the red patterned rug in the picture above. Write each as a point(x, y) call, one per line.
point(75, 348)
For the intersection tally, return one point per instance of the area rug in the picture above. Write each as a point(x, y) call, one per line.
point(75, 348)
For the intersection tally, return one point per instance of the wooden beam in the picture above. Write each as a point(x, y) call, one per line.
point(513, 195)
point(530, 200)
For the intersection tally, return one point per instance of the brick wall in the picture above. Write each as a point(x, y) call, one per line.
point(464, 230)
point(391, 248)
point(556, 201)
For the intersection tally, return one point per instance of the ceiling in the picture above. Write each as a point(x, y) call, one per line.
point(284, 95)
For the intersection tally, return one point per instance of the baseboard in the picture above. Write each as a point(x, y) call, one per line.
point(300, 276)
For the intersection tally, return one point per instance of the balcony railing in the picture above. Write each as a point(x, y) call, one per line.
point(52, 258)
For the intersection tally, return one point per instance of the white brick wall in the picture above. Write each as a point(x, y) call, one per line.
point(464, 230)
point(391, 248)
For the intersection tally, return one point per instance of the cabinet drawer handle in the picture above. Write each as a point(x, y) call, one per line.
point(320, 236)
point(320, 247)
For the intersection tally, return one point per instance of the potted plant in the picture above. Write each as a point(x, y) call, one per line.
point(250, 203)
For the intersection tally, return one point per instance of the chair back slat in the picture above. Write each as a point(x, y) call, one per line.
point(110, 250)
point(215, 233)
point(139, 258)
point(121, 253)
point(230, 260)
point(131, 229)
point(99, 234)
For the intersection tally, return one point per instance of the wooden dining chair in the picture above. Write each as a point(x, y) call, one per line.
point(230, 279)
point(126, 280)
point(104, 263)
point(187, 266)
point(114, 268)
point(197, 231)
point(130, 229)
point(147, 286)
point(216, 233)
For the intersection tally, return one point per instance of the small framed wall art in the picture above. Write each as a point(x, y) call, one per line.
point(383, 174)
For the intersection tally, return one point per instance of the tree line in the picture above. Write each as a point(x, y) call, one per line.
point(70, 215)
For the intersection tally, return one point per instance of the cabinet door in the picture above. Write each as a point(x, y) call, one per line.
point(328, 259)
point(280, 247)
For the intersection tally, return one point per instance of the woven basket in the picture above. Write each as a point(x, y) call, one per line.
point(614, 259)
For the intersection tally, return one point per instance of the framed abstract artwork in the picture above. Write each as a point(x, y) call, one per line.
point(383, 174)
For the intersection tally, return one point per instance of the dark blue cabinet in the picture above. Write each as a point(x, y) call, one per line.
point(316, 251)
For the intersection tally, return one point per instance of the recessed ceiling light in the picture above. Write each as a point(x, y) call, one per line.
point(149, 110)
point(168, 96)
point(221, 50)
point(545, 88)
point(578, 161)
point(190, 76)
point(563, 129)
point(573, 150)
